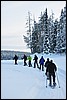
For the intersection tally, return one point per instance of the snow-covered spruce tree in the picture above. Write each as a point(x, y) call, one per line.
point(58, 38)
point(55, 34)
point(63, 31)
point(41, 32)
point(49, 31)
point(61, 36)
point(43, 25)
point(40, 40)
point(46, 34)
point(35, 46)
point(28, 38)
point(52, 33)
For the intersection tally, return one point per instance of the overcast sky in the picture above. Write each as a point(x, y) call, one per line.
point(13, 18)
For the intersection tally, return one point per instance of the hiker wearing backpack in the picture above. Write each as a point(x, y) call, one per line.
point(35, 61)
point(29, 61)
point(46, 65)
point(41, 61)
point(15, 58)
point(51, 68)
point(25, 58)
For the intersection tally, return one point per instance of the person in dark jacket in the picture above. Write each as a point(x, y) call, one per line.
point(15, 58)
point(46, 64)
point(35, 61)
point(51, 68)
point(25, 58)
point(41, 61)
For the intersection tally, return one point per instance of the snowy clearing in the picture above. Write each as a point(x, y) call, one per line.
point(23, 82)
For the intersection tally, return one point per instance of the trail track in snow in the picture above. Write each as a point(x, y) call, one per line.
point(38, 90)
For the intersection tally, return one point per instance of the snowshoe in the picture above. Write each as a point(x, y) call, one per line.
point(50, 85)
point(47, 78)
point(54, 84)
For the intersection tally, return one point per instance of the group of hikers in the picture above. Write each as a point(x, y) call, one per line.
point(49, 65)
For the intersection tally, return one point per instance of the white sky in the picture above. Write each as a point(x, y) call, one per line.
point(13, 18)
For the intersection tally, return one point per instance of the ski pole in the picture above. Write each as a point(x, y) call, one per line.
point(46, 81)
point(58, 80)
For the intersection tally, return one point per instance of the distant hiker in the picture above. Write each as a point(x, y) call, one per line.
point(46, 64)
point(35, 61)
point(41, 61)
point(29, 61)
point(15, 58)
point(51, 69)
point(25, 58)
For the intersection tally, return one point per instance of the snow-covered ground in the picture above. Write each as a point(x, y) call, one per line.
point(23, 82)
